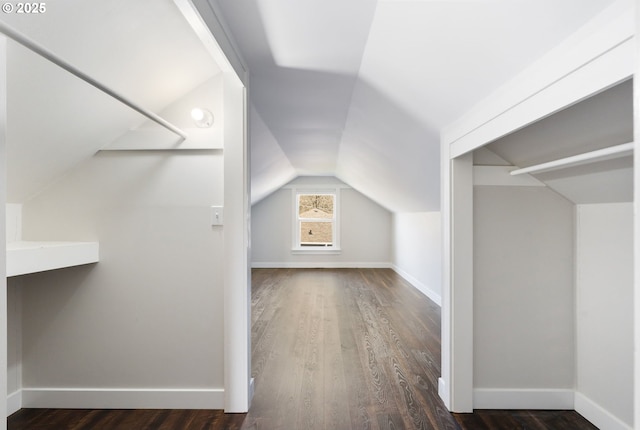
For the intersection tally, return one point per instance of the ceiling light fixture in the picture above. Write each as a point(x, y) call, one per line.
point(202, 117)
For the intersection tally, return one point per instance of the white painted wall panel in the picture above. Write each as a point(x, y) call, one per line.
point(604, 306)
point(523, 289)
point(14, 222)
point(417, 251)
point(150, 314)
point(271, 220)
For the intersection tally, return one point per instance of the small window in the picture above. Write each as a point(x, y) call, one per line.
point(316, 221)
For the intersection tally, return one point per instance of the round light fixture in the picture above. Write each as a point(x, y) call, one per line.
point(202, 117)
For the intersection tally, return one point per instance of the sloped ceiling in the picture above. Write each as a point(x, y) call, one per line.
point(355, 89)
point(360, 89)
point(144, 50)
point(601, 121)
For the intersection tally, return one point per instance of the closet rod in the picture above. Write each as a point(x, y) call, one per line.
point(588, 157)
point(43, 52)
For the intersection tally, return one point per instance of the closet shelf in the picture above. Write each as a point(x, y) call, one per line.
point(603, 154)
point(30, 257)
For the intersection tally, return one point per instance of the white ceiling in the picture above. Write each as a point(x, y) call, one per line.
point(144, 50)
point(360, 89)
point(357, 89)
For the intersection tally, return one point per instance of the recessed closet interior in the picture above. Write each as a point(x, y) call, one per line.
point(83, 167)
point(553, 258)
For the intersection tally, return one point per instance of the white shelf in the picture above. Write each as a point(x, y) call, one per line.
point(31, 257)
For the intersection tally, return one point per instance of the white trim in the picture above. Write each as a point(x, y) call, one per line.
point(14, 402)
point(424, 289)
point(237, 250)
point(319, 250)
point(597, 415)
point(122, 398)
point(500, 176)
point(211, 29)
point(252, 387)
point(603, 72)
point(320, 265)
point(593, 43)
point(552, 399)
point(442, 388)
point(457, 285)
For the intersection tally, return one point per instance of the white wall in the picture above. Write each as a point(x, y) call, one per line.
point(523, 298)
point(365, 231)
point(149, 315)
point(3, 201)
point(604, 311)
point(417, 251)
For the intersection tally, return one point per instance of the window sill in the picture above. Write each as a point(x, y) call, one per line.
point(315, 250)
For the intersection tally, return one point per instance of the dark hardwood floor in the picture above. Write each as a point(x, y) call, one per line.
point(523, 420)
point(119, 419)
point(344, 349)
point(333, 349)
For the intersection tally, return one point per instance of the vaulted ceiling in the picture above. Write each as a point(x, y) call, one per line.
point(357, 89)
point(145, 51)
point(360, 89)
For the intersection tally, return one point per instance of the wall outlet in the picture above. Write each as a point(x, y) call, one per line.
point(217, 215)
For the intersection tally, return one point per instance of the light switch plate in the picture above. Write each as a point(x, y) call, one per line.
point(217, 213)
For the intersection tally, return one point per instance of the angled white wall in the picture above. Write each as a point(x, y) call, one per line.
point(150, 135)
point(270, 167)
point(417, 251)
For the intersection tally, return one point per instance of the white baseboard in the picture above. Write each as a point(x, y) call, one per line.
point(442, 392)
point(598, 416)
point(99, 398)
point(319, 265)
point(252, 389)
point(551, 399)
point(14, 402)
point(435, 297)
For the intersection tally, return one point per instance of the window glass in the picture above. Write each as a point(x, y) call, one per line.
point(316, 233)
point(316, 206)
point(316, 219)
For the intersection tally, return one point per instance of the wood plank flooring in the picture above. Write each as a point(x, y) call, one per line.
point(332, 349)
point(529, 420)
point(119, 419)
point(357, 349)
point(344, 349)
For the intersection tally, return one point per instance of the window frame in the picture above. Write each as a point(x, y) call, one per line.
point(297, 247)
